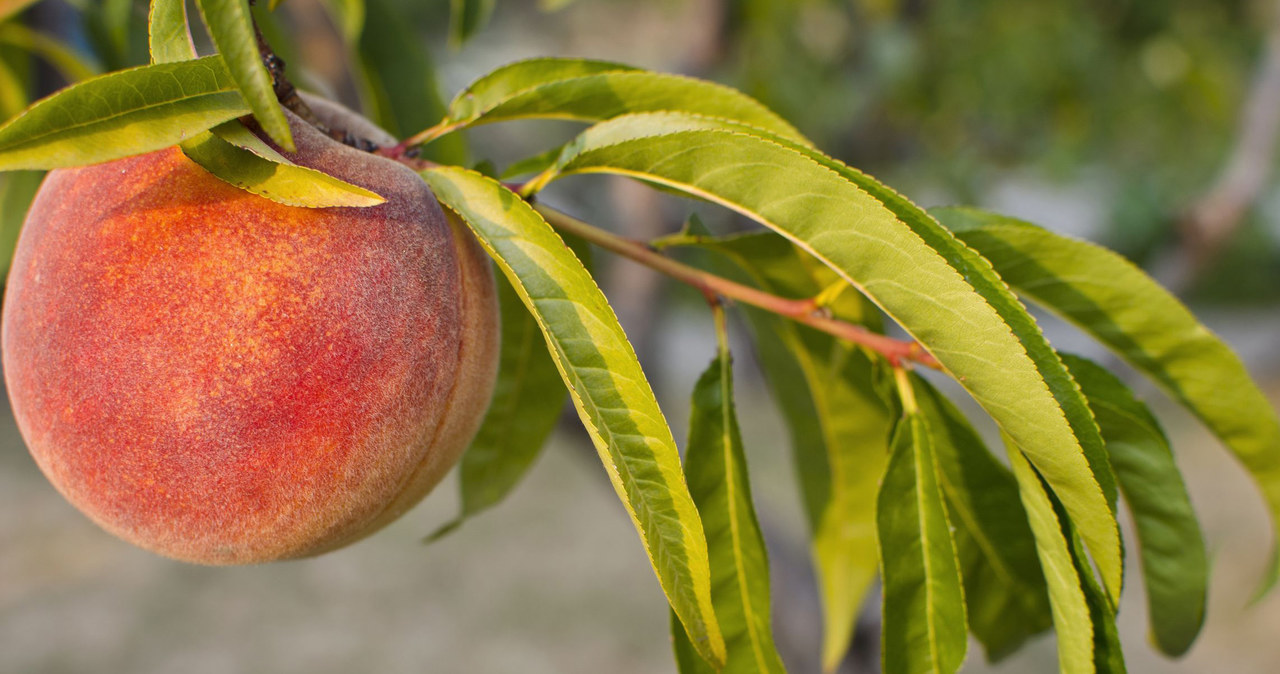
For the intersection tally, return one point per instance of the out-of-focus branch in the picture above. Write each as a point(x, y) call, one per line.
point(1210, 221)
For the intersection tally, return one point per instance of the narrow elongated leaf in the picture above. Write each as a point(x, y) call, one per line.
point(1122, 307)
point(13, 88)
point(716, 467)
point(1072, 619)
point(399, 86)
point(230, 25)
point(1174, 563)
point(606, 384)
point(168, 33)
point(238, 157)
point(1005, 594)
point(466, 17)
point(596, 90)
point(1108, 658)
point(940, 291)
point(923, 615)
point(840, 425)
point(17, 189)
point(121, 114)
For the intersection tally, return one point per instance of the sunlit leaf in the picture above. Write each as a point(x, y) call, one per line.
point(923, 615)
point(945, 295)
point(121, 114)
point(840, 425)
point(1174, 563)
point(552, 88)
point(1072, 620)
point(230, 25)
point(716, 468)
point(1122, 307)
point(1005, 594)
point(606, 384)
point(240, 158)
point(1108, 658)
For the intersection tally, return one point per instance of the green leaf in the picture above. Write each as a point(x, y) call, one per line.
point(716, 468)
point(1108, 658)
point(17, 190)
point(230, 25)
point(1072, 617)
point(121, 114)
point(923, 617)
point(72, 66)
point(466, 18)
point(168, 33)
point(840, 425)
point(526, 403)
point(399, 87)
point(606, 384)
point(13, 87)
point(1007, 601)
point(1174, 563)
point(553, 88)
point(1120, 306)
point(941, 292)
point(236, 156)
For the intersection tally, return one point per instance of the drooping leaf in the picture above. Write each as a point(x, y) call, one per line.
point(230, 24)
point(1122, 307)
point(17, 189)
point(839, 423)
point(1174, 563)
point(399, 87)
point(168, 33)
point(236, 156)
point(923, 615)
point(1005, 594)
point(716, 468)
point(1108, 658)
point(595, 90)
point(606, 384)
point(111, 26)
point(946, 296)
point(1072, 619)
point(466, 18)
point(121, 114)
point(72, 66)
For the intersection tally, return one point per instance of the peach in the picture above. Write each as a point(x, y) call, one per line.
point(223, 379)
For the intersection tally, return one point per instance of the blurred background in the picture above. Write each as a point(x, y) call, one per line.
point(1149, 127)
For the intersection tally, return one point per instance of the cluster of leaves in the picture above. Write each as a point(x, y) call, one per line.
point(895, 481)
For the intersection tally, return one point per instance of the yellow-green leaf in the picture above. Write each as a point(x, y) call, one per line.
point(120, 114)
point(606, 384)
point(230, 24)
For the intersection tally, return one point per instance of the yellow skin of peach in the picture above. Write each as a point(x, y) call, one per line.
point(222, 379)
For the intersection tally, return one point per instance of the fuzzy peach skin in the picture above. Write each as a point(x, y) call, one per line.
point(225, 380)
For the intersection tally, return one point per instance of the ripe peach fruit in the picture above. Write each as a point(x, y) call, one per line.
point(223, 379)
